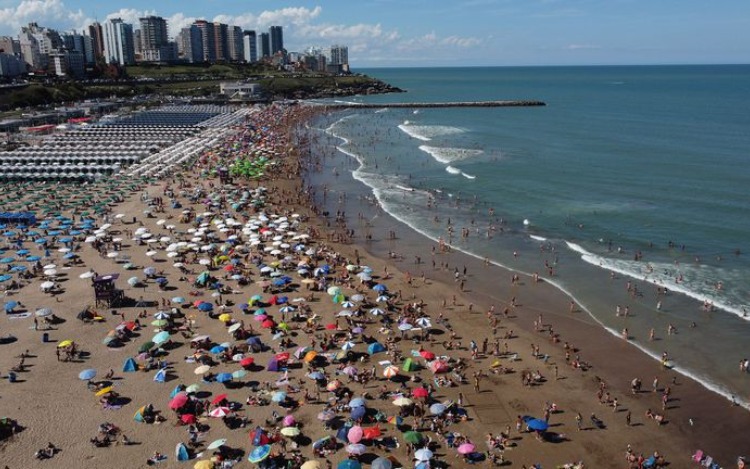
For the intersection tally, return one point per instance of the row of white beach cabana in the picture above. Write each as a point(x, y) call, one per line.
point(150, 148)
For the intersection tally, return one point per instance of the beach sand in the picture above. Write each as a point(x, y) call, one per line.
point(51, 404)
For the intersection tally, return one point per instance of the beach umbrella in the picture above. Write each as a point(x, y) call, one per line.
point(358, 413)
point(312, 465)
point(402, 401)
point(381, 463)
point(193, 388)
point(133, 281)
point(427, 355)
point(247, 361)
point(316, 375)
point(86, 275)
point(355, 434)
point(438, 366)
point(333, 385)
point(413, 437)
point(357, 402)
point(159, 322)
point(326, 415)
point(161, 337)
point(161, 315)
point(224, 377)
point(43, 312)
point(437, 409)
point(205, 306)
point(5, 277)
point(259, 454)
point(204, 464)
point(423, 454)
point(466, 448)
point(350, 371)
point(178, 299)
point(86, 375)
point(278, 396)
point(356, 448)
point(537, 425)
point(217, 443)
point(178, 401)
point(239, 374)
point(225, 317)
point(216, 349)
point(65, 343)
point(420, 392)
point(202, 369)
point(390, 371)
point(219, 412)
point(290, 431)
point(47, 285)
point(10, 305)
point(349, 463)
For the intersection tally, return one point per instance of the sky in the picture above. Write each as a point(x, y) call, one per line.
point(425, 33)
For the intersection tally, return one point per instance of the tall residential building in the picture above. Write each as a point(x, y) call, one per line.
point(118, 42)
point(10, 46)
point(153, 32)
point(277, 39)
point(190, 44)
point(207, 39)
point(265, 45)
point(45, 41)
point(30, 50)
point(236, 45)
point(97, 39)
point(11, 65)
point(251, 46)
point(137, 45)
point(221, 41)
point(77, 42)
point(339, 55)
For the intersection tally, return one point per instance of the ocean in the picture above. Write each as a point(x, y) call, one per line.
point(628, 173)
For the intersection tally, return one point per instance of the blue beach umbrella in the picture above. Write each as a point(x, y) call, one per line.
point(357, 402)
point(217, 349)
point(22, 252)
point(358, 413)
point(5, 278)
point(33, 258)
point(178, 299)
point(259, 454)
point(18, 268)
point(10, 305)
point(224, 377)
point(205, 307)
point(380, 288)
point(86, 375)
point(7, 260)
point(40, 240)
point(537, 425)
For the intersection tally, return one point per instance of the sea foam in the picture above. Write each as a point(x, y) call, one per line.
point(449, 155)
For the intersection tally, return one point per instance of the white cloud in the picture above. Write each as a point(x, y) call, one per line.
point(131, 15)
point(40, 11)
point(178, 21)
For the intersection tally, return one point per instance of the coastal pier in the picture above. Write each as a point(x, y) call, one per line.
point(511, 103)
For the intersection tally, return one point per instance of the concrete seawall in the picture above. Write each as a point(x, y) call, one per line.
point(438, 105)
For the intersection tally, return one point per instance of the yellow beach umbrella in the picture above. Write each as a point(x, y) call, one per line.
point(103, 391)
point(312, 465)
point(226, 317)
point(310, 356)
point(205, 464)
point(65, 343)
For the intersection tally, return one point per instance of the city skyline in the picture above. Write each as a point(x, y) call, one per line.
point(440, 33)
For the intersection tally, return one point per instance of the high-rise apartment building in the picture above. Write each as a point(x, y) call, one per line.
point(207, 40)
point(265, 45)
point(276, 34)
point(251, 46)
point(153, 32)
point(118, 42)
point(190, 44)
point(97, 39)
point(221, 41)
point(79, 43)
point(37, 42)
point(10, 46)
point(236, 51)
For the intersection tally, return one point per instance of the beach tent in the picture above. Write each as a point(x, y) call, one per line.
point(374, 348)
point(130, 365)
point(161, 376)
point(138, 417)
point(181, 452)
point(409, 365)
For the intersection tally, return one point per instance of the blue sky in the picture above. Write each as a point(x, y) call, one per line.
point(383, 33)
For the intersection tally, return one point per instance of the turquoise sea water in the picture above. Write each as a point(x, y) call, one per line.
point(622, 161)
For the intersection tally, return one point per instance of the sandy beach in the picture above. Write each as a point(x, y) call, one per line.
point(243, 263)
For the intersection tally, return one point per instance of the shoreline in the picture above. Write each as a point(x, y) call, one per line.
point(596, 337)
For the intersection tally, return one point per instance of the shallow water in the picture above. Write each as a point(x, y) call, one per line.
point(621, 161)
